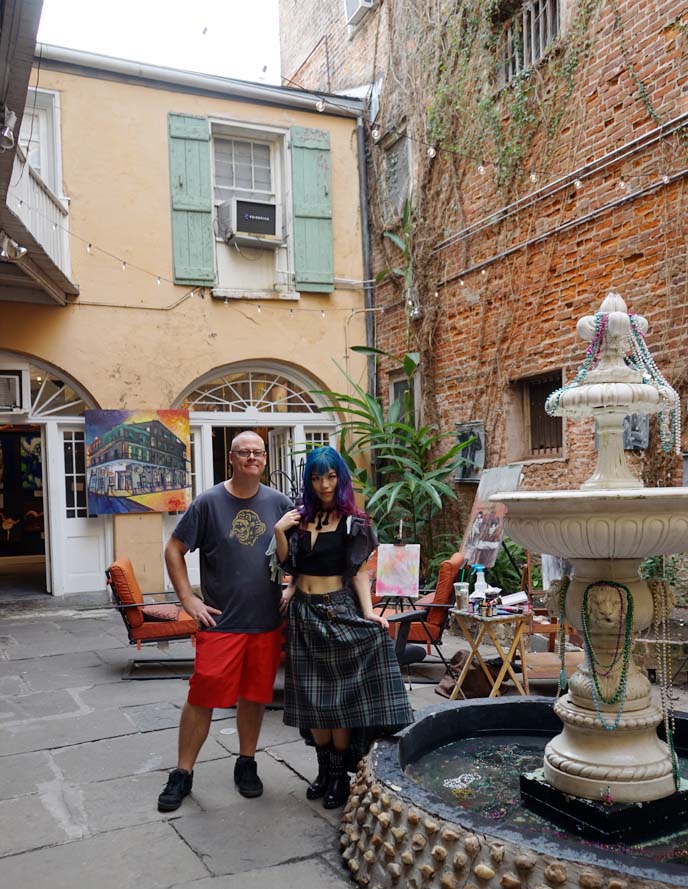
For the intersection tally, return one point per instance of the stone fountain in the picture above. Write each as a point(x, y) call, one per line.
point(609, 748)
point(397, 832)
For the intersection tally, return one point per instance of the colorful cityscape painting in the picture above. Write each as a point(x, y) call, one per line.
point(137, 461)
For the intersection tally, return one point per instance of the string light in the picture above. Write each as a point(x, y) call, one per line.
point(158, 280)
point(124, 266)
point(322, 313)
point(432, 151)
point(89, 248)
point(665, 179)
point(483, 271)
point(481, 168)
point(320, 105)
point(577, 184)
point(622, 184)
point(533, 176)
point(259, 309)
point(375, 133)
point(461, 282)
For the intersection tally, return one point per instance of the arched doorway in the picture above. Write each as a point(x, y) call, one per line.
point(48, 542)
point(278, 401)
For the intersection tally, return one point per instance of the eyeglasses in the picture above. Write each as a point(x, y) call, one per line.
point(249, 452)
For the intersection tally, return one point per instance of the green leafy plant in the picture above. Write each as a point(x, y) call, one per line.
point(507, 569)
point(411, 475)
point(660, 568)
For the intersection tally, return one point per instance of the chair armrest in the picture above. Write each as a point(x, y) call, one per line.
point(407, 616)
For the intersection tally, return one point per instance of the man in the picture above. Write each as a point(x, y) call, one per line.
point(238, 646)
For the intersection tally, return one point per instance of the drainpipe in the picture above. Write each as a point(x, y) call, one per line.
point(367, 262)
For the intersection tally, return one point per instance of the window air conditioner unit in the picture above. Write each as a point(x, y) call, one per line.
point(11, 392)
point(250, 223)
point(356, 10)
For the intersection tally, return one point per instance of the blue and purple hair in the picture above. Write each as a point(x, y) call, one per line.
point(320, 461)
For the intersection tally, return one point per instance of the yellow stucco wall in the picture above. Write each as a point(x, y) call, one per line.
point(115, 173)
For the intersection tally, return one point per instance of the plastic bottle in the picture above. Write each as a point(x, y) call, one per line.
point(480, 588)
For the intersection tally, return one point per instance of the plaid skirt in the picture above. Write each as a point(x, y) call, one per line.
point(341, 670)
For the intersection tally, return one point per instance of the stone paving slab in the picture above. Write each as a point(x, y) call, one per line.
point(23, 643)
point(81, 678)
point(22, 773)
point(127, 755)
point(125, 802)
point(119, 693)
point(25, 823)
point(148, 857)
point(153, 717)
point(38, 663)
point(61, 731)
point(39, 704)
point(311, 874)
point(241, 838)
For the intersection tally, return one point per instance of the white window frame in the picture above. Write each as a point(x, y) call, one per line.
point(46, 105)
point(275, 138)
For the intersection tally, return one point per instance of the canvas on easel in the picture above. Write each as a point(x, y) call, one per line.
point(398, 570)
point(485, 528)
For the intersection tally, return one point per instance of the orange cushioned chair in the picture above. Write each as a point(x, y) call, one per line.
point(429, 631)
point(130, 604)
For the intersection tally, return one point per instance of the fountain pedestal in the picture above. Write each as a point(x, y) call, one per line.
point(608, 750)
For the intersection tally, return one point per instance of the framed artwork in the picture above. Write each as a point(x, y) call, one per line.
point(137, 461)
point(485, 527)
point(471, 460)
point(31, 465)
point(398, 570)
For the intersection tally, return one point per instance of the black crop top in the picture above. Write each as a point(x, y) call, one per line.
point(328, 557)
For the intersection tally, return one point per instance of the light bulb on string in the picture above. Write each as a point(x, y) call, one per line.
point(226, 301)
point(259, 310)
point(622, 184)
point(533, 176)
point(124, 266)
point(577, 184)
point(54, 226)
point(158, 281)
point(322, 313)
point(89, 248)
point(481, 168)
point(375, 133)
point(320, 105)
point(432, 151)
point(665, 179)
point(462, 282)
point(483, 271)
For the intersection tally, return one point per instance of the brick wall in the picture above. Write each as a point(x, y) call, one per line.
point(508, 311)
point(319, 51)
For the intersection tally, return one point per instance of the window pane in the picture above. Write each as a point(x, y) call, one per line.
point(243, 175)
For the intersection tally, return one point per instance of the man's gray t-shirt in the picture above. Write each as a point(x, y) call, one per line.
point(232, 535)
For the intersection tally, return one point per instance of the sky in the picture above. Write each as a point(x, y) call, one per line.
point(231, 38)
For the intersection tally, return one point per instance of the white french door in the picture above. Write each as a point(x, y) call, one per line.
point(80, 545)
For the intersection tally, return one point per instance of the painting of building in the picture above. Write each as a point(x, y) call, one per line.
point(137, 461)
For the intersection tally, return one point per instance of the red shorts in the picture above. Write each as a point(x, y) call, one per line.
point(230, 666)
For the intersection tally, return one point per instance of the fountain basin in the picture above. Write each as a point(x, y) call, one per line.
point(397, 833)
point(615, 524)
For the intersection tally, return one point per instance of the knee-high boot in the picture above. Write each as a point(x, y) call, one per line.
point(338, 785)
point(318, 788)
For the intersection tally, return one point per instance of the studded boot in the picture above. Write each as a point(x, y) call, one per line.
point(318, 788)
point(338, 785)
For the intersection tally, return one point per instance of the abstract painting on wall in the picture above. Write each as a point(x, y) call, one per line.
point(137, 461)
point(398, 570)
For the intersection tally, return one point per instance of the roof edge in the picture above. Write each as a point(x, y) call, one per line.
point(242, 89)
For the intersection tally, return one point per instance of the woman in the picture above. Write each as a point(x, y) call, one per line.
point(343, 685)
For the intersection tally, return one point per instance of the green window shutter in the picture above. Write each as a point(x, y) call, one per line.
point(312, 202)
point(193, 239)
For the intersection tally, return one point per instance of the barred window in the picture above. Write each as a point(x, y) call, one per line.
point(527, 35)
point(546, 432)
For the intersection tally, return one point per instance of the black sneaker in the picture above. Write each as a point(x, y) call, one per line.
point(246, 777)
point(178, 786)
